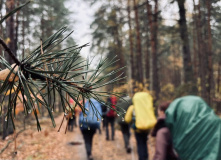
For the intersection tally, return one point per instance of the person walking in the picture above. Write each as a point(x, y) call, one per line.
point(90, 123)
point(71, 121)
point(195, 129)
point(104, 115)
point(110, 118)
point(123, 104)
point(141, 113)
point(164, 145)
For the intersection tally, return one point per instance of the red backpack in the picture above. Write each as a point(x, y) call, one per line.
point(111, 112)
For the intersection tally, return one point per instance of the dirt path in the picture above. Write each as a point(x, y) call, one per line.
point(50, 144)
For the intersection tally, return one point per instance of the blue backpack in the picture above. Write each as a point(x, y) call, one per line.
point(93, 118)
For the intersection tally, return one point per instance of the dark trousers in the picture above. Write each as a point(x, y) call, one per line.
point(111, 121)
point(125, 129)
point(104, 121)
point(71, 123)
point(88, 139)
point(141, 139)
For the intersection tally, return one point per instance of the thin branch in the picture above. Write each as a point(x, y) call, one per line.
point(9, 52)
point(6, 146)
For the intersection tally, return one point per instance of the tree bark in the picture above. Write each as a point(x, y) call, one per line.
point(10, 29)
point(139, 49)
point(218, 76)
point(153, 25)
point(195, 49)
point(188, 72)
point(23, 36)
point(201, 49)
point(133, 75)
point(209, 53)
point(16, 29)
point(147, 57)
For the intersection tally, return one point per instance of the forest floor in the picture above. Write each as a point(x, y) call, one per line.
point(51, 144)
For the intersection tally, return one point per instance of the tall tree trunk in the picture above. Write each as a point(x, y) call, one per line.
point(133, 75)
point(201, 55)
point(16, 29)
point(188, 72)
point(120, 52)
point(153, 25)
point(23, 36)
point(139, 65)
point(155, 64)
point(1, 52)
point(209, 53)
point(147, 57)
point(218, 76)
point(195, 49)
point(10, 29)
point(118, 43)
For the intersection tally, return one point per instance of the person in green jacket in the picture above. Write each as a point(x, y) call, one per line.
point(195, 129)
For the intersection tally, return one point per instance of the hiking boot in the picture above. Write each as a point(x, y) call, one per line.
point(90, 157)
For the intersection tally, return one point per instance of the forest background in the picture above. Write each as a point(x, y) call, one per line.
point(170, 55)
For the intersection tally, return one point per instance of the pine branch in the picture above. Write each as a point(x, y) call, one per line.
point(43, 72)
point(8, 50)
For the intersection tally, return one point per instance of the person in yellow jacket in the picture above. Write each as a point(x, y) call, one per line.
point(141, 113)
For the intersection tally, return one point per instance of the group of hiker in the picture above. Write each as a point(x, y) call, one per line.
point(186, 128)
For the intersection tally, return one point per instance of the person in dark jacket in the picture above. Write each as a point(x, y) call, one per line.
point(123, 104)
point(164, 145)
point(104, 114)
point(71, 122)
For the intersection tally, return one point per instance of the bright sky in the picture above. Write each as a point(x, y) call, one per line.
point(83, 16)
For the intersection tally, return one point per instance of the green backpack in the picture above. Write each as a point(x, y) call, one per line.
point(195, 129)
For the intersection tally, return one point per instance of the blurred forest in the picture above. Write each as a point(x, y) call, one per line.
point(169, 47)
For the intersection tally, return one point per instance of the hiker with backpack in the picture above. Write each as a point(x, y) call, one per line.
point(141, 115)
point(195, 129)
point(89, 123)
point(110, 117)
point(124, 103)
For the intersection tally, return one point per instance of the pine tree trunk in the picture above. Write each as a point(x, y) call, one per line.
point(209, 53)
point(120, 53)
point(16, 29)
point(218, 76)
point(153, 25)
point(195, 49)
point(23, 36)
point(10, 30)
point(1, 52)
point(133, 75)
point(139, 65)
point(155, 64)
point(188, 72)
point(147, 57)
point(201, 55)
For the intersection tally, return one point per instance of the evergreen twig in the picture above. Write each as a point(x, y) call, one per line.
point(8, 50)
